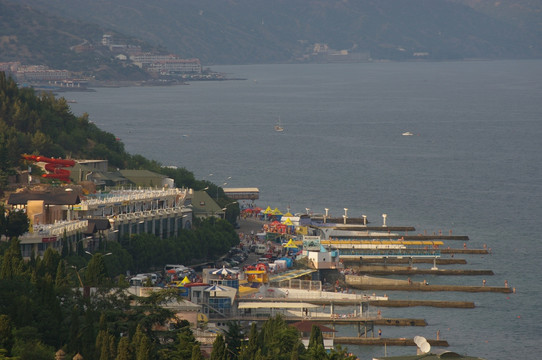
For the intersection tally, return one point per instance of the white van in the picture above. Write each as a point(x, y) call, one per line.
point(138, 280)
point(141, 279)
point(177, 267)
point(260, 249)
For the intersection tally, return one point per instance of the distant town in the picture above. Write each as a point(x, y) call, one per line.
point(164, 67)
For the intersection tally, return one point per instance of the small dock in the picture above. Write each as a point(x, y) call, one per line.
point(372, 341)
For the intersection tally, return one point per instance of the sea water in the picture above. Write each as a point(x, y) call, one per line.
point(473, 165)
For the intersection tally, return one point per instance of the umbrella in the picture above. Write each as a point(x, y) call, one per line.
point(224, 271)
point(215, 288)
point(172, 271)
point(288, 222)
point(185, 280)
point(290, 245)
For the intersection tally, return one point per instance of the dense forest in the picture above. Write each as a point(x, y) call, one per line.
point(43, 309)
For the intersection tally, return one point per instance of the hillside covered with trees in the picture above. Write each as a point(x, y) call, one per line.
point(43, 124)
point(32, 37)
point(262, 31)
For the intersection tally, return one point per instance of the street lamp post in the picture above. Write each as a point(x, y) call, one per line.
point(91, 254)
point(78, 276)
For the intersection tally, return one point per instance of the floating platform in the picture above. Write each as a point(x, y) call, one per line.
point(372, 341)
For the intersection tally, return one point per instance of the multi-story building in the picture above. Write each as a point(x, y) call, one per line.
point(176, 66)
point(166, 64)
point(41, 73)
point(65, 214)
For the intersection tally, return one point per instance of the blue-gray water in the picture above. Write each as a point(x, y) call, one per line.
point(474, 166)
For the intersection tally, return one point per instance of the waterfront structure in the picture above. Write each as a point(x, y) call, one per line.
point(166, 64)
point(248, 193)
point(63, 213)
point(40, 73)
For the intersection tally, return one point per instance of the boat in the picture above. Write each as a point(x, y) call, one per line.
point(278, 126)
point(408, 133)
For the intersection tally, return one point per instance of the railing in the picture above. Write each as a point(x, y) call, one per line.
point(390, 252)
point(57, 229)
point(120, 196)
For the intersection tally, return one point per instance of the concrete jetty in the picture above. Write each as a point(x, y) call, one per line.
point(464, 251)
point(371, 283)
point(337, 320)
point(439, 261)
point(373, 341)
point(403, 270)
point(376, 303)
point(413, 237)
point(428, 303)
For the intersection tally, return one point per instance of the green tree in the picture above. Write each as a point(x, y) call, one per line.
point(123, 349)
point(196, 353)
point(12, 262)
point(6, 333)
point(186, 343)
point(17, 223)
point(74, 339)
point(233, 338)
point(96, 272)
point(3, 214)
point(249, 350)
point(141, 344)
point(316, 348)
point(61, 280)
point(219, 349)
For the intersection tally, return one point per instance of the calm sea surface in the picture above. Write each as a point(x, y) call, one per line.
point(474, 166)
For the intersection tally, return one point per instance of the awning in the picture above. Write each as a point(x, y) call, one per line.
point(275, 305)
point(289, 275)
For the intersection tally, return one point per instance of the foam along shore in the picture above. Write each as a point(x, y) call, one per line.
point(365, 282)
